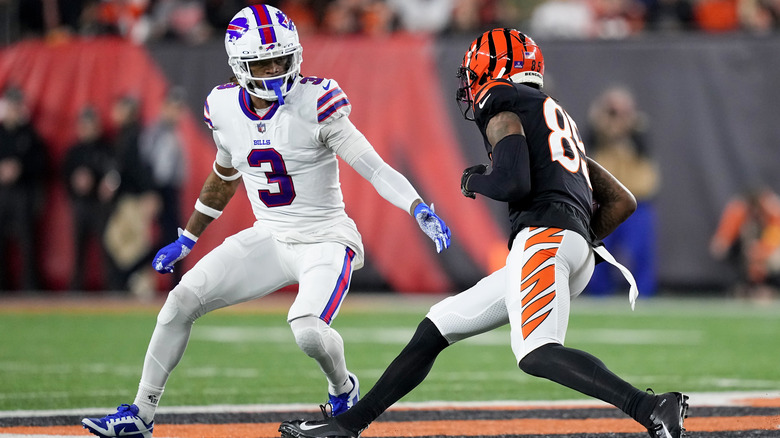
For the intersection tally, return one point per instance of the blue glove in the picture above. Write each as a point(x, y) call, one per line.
point(433, 226)
point(172, 253)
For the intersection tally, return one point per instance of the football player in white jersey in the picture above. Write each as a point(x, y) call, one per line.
point(279, 133)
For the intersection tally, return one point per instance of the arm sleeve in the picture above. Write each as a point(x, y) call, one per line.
point(344, 139)
point(509, 179)
point(353, 147)
point(223, 156)
point(388, 182)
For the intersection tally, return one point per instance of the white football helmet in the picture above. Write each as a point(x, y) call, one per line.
point(258, 33)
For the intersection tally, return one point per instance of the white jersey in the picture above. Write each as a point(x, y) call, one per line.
point(290, 175)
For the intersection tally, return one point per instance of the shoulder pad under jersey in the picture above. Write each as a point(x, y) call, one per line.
point(494, 97)
point(215, 97)
point(332, 101)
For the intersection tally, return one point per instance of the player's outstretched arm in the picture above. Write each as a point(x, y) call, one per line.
point(351, 145)
point(218, 189)
point(615, 202)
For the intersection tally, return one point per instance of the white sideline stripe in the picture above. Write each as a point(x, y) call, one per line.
point(400, 336)
point(699, 399)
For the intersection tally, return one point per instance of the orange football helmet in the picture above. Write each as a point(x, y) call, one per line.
point(499, 53)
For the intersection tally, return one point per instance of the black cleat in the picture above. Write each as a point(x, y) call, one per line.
point(327, 428)
point(668, 415)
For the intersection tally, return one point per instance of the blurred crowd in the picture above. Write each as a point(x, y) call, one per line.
point(197, 21)
point(122, 181)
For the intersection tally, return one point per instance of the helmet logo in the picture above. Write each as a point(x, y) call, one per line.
point(518, 64)
point(237, 28)
point(284, 21)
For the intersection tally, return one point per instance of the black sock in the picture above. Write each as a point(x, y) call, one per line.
point(587, 374)
point(407, 371)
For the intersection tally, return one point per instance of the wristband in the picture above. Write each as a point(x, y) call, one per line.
point(205, 209)
point(233, 177)
point(190, 236)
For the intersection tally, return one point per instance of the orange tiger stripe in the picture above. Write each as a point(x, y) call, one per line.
point(536, 260)
point(538, 283)
point(548, 235)
point(530, 326)
point(531, 309)
point(490, 84)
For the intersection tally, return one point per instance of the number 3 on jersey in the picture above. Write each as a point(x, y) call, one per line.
point(272, 164)
point(566, 146)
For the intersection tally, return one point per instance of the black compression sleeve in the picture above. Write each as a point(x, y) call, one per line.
point(403, 375)
point(510, 177)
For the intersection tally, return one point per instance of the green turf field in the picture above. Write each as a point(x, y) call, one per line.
point(62, 358)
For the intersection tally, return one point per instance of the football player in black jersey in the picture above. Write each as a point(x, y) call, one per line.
point(561, 204)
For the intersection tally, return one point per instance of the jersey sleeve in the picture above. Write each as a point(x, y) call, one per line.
point(223, 157)
point(332, 102)
point(207, 112)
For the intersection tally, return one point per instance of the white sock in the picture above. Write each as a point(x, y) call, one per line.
point(146, 399)
point(345, 387)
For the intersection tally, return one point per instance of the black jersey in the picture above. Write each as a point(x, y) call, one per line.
point(561, 194)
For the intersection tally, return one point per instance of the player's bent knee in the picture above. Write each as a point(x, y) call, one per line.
point(309, 332)
point(535, 362)
point(182, 306)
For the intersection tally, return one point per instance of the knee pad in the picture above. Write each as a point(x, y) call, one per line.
point(182, 306)
point(310, 333)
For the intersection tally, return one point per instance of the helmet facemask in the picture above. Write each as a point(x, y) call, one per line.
point(267, 87)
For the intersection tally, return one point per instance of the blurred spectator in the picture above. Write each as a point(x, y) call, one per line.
point(340, 18)
point(716, 15)
point(163, 153)
point(563, 19)
point(759, 16)
point(304, 13)
point(22, 173)
point(377, 18)
point(218, 13)
point(617, 19)
point(92, 179)
point(423, 16)
point(512, 13)
point(669, 15)
point(128, 235)
point(183, 20)
point(616, 139)
point(748, 236)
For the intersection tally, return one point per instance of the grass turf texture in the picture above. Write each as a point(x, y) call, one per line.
point(64, 356)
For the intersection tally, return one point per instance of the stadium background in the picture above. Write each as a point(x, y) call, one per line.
point(711, 101)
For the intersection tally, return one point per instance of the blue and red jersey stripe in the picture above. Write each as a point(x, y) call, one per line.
point(331, 101)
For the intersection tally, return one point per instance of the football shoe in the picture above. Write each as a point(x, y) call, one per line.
point(668, 415)
point(327, 428)
point(124, 423)
point(340, 403)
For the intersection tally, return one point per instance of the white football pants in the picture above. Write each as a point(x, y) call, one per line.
point(248, 265)
point(545, 269)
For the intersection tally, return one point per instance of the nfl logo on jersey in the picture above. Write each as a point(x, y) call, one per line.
point(261, 127)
